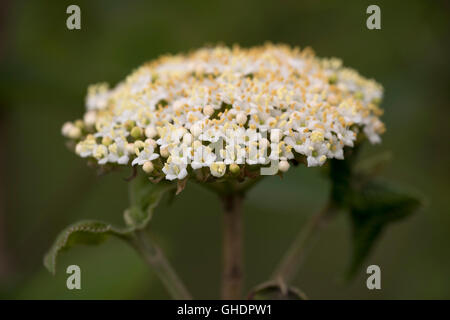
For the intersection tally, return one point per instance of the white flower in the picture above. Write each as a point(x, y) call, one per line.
point(170, 135)
point(218, 169)
point(100, 153)
point(233, 154)
point(316, 153)
point(175, 168)
point(90, 118)
point(71, 131)
point(118, 152)
point(281, 151)
point(147, 154)
point(98, 96)
point(211, 135)
point(218, 106)
point(86, 147)
point(295, 140)
point(203, 156)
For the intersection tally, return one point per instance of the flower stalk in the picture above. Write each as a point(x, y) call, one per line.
point(156, 259)
point(232, 276)
point(294, 256)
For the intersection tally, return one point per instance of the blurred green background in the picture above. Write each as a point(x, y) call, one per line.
point(45, 70)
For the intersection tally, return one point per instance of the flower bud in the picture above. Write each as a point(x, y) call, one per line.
point(208, 110)
point(106, 141)
point(187, 138)
point(164, 152)
point(129, 124)
point(78, 148)
point(235, 169)
point(150, 132)
point(241, 118)
point(283, 166)
point(66, 128)
point(136, 132)
point(130, 148)
point(196, 130)
point(74, 133)
point(79, 124)
point(89, 118)
point(332, 79)
point(148, 167)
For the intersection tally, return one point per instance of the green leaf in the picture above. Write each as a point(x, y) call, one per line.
point(374, 206)
point(144, 197)
point(83, 232)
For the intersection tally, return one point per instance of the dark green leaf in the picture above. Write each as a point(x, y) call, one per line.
point(144, 197)
point(374, 206)
point(83, 232)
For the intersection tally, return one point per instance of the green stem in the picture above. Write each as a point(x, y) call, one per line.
point(294, 256)
point(232, 247)
point(155, 258)
point(232, 195)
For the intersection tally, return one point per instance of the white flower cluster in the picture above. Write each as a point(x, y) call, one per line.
point(221, 109)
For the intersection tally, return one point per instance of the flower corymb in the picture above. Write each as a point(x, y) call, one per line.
point(223, 110)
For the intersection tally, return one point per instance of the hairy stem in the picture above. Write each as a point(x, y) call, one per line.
point(155, 258)
point(294, 256)
point(232, 247)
